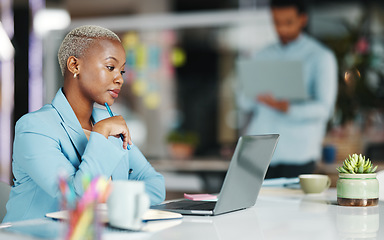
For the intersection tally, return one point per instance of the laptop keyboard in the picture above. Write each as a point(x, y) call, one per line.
point(190, 205)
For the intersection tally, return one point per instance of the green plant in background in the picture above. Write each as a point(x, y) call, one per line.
point(185, 137)
point(356, 164)
point(356, 50)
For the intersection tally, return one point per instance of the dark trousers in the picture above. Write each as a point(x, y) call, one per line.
point(290, 171)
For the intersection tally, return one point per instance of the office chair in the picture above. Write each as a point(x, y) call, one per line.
point(4, 196)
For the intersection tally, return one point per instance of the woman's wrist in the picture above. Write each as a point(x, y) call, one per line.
point(102, 130)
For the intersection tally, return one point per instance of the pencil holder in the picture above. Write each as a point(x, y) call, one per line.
point(83, 223)
point(83, 218)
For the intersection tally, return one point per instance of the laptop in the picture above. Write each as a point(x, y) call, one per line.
point(283, 79)
point(242, 182)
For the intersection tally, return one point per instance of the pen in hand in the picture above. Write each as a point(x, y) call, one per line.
point(111, 114)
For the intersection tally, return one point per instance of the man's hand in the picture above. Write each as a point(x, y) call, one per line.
point(271, 101)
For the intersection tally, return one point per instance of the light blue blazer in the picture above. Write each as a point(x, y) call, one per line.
point(50, 142)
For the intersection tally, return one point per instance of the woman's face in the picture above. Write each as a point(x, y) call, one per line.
point(100, 71)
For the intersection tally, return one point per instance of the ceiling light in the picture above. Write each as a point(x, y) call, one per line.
point(46, 20)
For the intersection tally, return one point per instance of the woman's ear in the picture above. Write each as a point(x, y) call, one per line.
point(73, 65)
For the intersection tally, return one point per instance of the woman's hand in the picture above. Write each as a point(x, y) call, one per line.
point(114, 126)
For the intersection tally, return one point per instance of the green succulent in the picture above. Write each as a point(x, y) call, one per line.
point(356, 164)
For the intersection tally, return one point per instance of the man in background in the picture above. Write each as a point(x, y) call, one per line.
point(301, 125)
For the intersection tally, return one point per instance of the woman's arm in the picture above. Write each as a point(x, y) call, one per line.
point(44, 153)
point(142, 170)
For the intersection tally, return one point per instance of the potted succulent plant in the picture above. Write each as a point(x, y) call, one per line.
point(357, 184)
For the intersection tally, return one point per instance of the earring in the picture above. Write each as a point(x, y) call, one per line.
point(75, 75)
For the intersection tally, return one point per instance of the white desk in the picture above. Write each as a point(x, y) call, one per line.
point(278, 214)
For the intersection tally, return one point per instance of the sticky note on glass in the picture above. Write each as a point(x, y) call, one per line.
point(200, 197)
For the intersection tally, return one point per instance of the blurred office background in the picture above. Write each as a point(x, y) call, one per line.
point(181, 74)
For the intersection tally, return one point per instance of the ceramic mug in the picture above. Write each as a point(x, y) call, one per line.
point(127, 204)
point(314, 183)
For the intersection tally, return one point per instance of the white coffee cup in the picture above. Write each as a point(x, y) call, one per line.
point(127, 204)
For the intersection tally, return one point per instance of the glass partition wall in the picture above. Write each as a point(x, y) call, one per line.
point(180, 74)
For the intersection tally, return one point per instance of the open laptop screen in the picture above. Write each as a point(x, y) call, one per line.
point(242, 182)
point(246, 172)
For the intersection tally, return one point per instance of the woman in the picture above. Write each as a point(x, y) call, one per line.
point(71, 137)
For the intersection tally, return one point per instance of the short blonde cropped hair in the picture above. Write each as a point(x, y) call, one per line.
point(77, 42)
